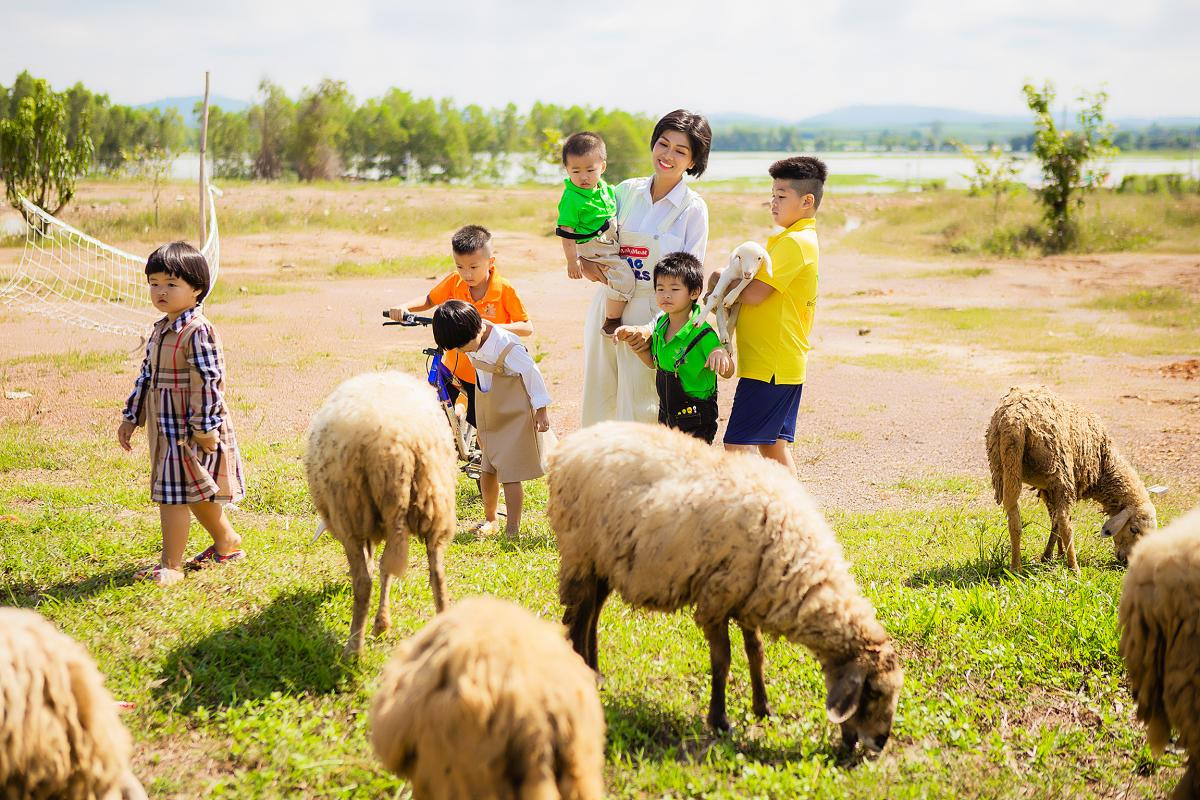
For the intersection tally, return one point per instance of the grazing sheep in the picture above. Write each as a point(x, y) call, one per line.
point(1160, 639)
point(668, 522)
point(1038, 438)
point(59, 733)
point(380, 466)
point(488, 701)
point(744, 263)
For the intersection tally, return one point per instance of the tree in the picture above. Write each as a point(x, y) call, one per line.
point(994, 174)
point(271, 120)
point(1071, 160)
point(318, 148)
point(35, 159)
point(229, 143)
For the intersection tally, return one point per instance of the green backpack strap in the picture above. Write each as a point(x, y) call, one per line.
point(692, 344)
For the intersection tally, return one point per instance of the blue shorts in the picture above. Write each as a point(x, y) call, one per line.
point(763, 412)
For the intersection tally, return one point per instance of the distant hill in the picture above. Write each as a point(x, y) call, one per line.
point(872, 118)
point(186, 105)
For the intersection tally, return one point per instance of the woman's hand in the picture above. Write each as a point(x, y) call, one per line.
point(397, 314)
point(541, 420)
point(206, 439)
point(124, 434)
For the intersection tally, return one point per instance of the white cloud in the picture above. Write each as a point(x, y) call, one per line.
point(787, 60)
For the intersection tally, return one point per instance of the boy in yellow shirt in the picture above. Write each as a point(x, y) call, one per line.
point(774, 326)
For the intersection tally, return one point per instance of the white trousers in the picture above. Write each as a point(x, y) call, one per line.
point(616, 383)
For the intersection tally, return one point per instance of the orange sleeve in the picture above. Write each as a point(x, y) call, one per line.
point(441, 292)
point(513, 306)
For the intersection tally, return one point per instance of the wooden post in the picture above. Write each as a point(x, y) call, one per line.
point(204, 167)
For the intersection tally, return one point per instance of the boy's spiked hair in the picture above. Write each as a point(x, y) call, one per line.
point(684, 266)
point(807, 175)
point(469, 239)
point(582, 144)
point(693, 126)
point(455, 323)
point(181, 260)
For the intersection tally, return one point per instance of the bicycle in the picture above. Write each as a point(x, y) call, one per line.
point(466, 442)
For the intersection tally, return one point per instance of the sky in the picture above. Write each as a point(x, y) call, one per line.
point(783, 59)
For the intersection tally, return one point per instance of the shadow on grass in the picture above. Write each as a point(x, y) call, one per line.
point(995, 570)
point(31, 594)
point(285, 648)
point(641, 731)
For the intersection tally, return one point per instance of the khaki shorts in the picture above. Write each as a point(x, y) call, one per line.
point(605, 250)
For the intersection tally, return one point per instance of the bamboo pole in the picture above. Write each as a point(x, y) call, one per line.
point(204, 167)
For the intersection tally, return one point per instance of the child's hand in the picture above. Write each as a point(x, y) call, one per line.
point(125, 433)
point(720, 362)
point(397, 314)
point(206, 439)
point(636, 336)
point(574, 271)
point(541, 420)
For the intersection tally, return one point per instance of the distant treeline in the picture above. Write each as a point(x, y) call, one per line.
point(116, 131)
point(325, 134)
point(934, 138)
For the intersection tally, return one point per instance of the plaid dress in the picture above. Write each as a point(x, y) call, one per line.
point(179, 390)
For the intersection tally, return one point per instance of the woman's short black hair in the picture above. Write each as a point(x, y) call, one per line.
point(699, 134)
point(181, 260)
point(684, 266)
point(455, 323)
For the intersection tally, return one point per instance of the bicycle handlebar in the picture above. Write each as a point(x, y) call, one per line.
point(410, 320)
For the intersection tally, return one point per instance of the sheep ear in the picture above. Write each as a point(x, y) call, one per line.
point(842, 699)
point(1115, 522)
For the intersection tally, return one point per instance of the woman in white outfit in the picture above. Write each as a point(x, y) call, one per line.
point(656, 215)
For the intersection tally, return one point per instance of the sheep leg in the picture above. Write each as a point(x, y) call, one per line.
point(437, 576)
point(383, 615)
point(717, 633)
point(1189, 784)
point(593, 648)
point(754, 654)
point(578, 597)
point(360, 556)
point(1014, 534)
point(1060, 523)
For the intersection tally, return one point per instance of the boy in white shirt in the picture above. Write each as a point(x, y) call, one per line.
point(511, 400)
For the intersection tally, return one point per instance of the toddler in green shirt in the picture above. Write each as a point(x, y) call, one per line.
point(684, 350)
point(587, 224)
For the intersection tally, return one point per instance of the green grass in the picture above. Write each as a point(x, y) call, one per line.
point(1160, 306)
point(942, 484)
point(1024, 331)
point(953, 272)
point(392, 267)
point(230, 290)
point(74, 362)
point(951, 223)
point(897, 362)
point(1013, 684)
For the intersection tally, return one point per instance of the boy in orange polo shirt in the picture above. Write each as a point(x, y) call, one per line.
point(475, 281)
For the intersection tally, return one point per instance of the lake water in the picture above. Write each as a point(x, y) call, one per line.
point(912, 168)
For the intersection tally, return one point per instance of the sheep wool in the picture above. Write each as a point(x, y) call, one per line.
point(1036, 437)
point(490, 702)
point(381, 466)
point(60, 738)
point(667, 522)
point(1160, 639)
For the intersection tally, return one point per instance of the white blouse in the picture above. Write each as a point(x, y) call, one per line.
point(518, 361)
point(688, 233)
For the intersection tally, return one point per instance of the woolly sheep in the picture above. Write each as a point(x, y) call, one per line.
point(59, 733)
point(1160, 639)
point(488, 701)
point(1038, 438)
point(744, 263)
point(380, 466)
point(668, 522)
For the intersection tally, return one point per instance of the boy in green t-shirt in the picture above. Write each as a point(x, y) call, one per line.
point(587, 226)
point(685, 350)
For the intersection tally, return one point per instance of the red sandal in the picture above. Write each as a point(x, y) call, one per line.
point(211, 557)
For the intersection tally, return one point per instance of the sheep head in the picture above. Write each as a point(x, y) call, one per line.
point(1127, 526)
point(746, 259)
point(862, 698)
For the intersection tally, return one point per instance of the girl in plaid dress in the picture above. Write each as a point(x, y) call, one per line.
point(179, 397)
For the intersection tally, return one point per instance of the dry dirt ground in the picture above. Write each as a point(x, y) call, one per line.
point(870, 419)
